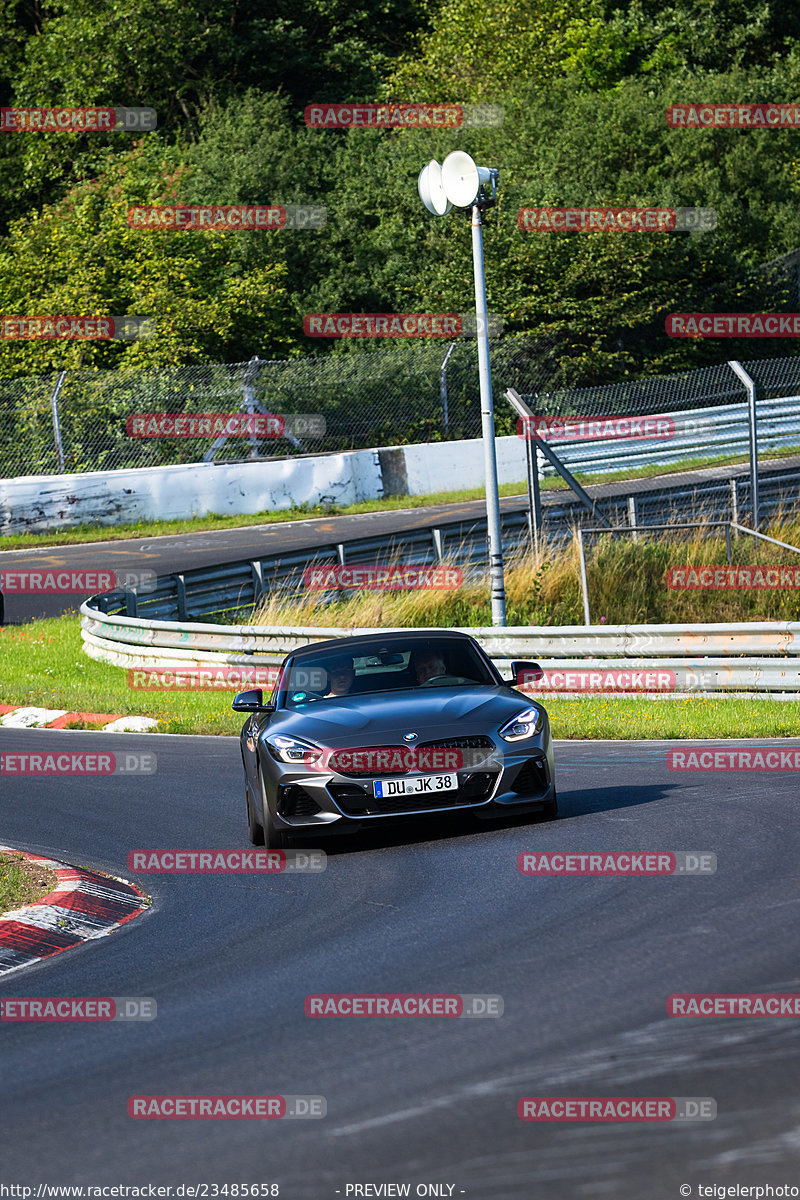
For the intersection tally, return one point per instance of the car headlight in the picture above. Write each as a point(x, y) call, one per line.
point(292, 750)
point(524, 725)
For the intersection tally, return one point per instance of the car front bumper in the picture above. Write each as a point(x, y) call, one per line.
point(512, 777)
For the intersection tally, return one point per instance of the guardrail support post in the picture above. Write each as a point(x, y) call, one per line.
point(340, 553)
point(257, 572)
point(131, 603)
point(735, 506)
point(180, 595)
point(438, 544)
point(632, 517)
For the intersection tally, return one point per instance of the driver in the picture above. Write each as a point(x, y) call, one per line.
point(428, 664)
point(340, 677)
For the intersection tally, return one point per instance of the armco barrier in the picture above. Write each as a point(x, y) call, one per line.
point(700, 433)
point(760, 657)
point(200, 591)
point(157, 630)
point(154, 642)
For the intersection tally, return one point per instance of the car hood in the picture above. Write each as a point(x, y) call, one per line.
point(383, 717)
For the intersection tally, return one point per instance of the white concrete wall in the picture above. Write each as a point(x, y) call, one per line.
point(451, 466)
point(42, 502)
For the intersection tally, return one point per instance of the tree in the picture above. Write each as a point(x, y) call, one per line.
point(212, 294)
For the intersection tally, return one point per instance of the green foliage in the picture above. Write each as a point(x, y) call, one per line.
point(212, 294)
point(480, 49)
point(584, 94)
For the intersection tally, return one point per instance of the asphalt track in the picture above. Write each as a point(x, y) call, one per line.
point(185, 551)
point(585, 966)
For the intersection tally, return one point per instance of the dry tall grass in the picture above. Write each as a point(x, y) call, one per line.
point(626, 579)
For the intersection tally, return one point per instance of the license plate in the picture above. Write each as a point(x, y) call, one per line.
point(415, 785)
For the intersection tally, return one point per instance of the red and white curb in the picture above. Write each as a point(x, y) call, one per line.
point(58, 718)
point(84, 905)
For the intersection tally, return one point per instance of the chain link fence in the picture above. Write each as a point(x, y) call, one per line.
point(78, 421)
point(706, 387)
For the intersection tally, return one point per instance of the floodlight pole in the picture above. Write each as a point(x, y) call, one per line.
point(496, 580)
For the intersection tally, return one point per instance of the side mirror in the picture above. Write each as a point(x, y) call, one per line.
point(252, 701)
point(523, 673)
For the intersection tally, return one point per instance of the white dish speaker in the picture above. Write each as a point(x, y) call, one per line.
point(431, 189)
point(462, 179)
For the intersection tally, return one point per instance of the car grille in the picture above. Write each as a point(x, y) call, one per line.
point(294, 801)
point(356, 800)
point(478, 742)
point(532, 778)
point(372, 770)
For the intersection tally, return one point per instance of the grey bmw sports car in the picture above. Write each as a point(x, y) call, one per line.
point(391, 727)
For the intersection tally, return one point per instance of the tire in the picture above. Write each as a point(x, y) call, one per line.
point(272, 837)
point(551, 811)
point(255, 828)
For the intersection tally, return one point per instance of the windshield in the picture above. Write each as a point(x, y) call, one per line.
point(379, 667)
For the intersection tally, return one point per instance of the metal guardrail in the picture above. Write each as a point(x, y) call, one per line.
point(701, 659)
point(699, 433)
point(243, 583)
point(157, 630)
point(198, 592)
point(133, 641)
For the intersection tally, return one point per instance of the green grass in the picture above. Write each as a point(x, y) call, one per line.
point(44, 666)
point(630, 718)
point(22, 882)
point(106, 533)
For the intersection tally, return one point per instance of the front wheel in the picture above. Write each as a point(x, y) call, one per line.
point(273, 838)
point(550, 812)
point(255, 828)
